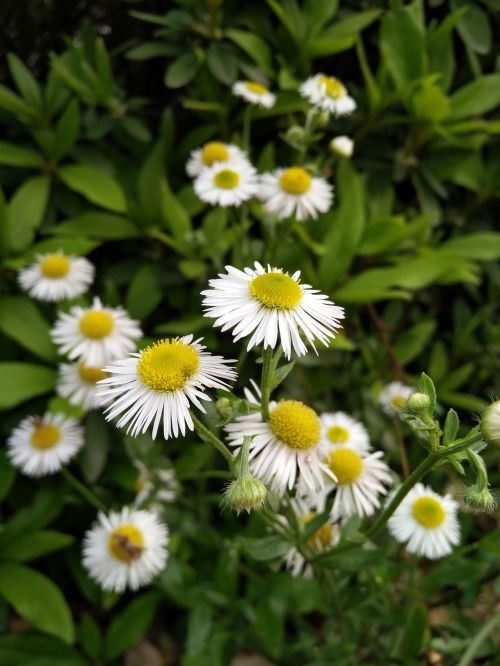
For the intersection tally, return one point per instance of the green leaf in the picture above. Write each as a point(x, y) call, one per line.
point(414, 633)
point(37, 599)
point(130, 625)
point(21, 381)
point(451, 425)
point(45, 507)
point(30, 649)
point(266, 548)
point(94, 185)
point(19, 157)
point(222, 63)
point(148, 50)
point(426, 385)
point(25, 81)
point(402, 45)
point(479, 96)
point(480, 245)
point(95, 224)
point(67, 130)
point(26, 211)
point(181, 71)
point(255, 47)
point(144, 292)
point(89, 636)
point(22, 321)
point(173, 213)
point(411, 343)
point(77, 246)
point(15, 104)
point(342, 34)
point(32, 545)
point(7, 475)
point(95, 451)
point(474, 26)
point(430, 103)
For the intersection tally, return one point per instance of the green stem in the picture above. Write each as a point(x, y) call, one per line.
point(478, 639)
point(244, 466)
point(87, 494)
point(265, 383)
point(208, 436)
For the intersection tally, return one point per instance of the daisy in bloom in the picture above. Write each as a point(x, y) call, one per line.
point(360, 478)
point(329, 94)
point(293, 191)
point(255, 93)
point(211, 153)
point(125, 549)
point(426, 522)
point(159, 384)
point(272, 306)
point(95, 335)
point(339, 429)
point(41, 445)
point(54, 277)
point(227, 184)
point(393, 397)
point(78, 383)
point(342, 146)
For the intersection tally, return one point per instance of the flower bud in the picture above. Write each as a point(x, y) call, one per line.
point(224, 407)
point(417, 403)
point(342, 146)
point(480, 501)
point(246, 493)
point(295, 134)
point(490, 424)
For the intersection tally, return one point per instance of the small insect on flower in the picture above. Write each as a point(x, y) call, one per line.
point(273, 307)
point(77, 383)
point(255, 93)
point(342, 146)
point(159, 384)
point(339, 429)
point(41, 445)
point(426, 522)
point(393, 397)
point(329, 94)
point(95, 335)
point(294, 192)
point(125, 549)
point(55, 277)
point(227, 184)
point(213, 152)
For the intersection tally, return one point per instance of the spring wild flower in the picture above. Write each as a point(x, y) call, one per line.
point(329, 94)
point(255, 93)
point(227, 183)
point(342, 146)
point(393, 397)
point(295, 192)
point(213, 152)
point(55, 277)
point(77, 383)
point(339, 429)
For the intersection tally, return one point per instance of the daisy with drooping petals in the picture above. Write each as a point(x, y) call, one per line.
point(272, 306)
point(211, 153)
point(361, 478)
point(95, 335)
point(294, 192)
point(227, 184)
point(125, 549)
point(41, 445)
point(393, 397)
point(159, 384)
point(78, 384)
point(329, 94)
point(255, 93)
point(426, 522)
point(54, 277)
point(340, 429)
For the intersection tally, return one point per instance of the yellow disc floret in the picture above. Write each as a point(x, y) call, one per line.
point(346, 464)
point(276, 290)
point(91, 375)
point(45, 436)
point(255, 87)
point(295, 424)
point(214, 151)
point(333, 87)
point(227, 179)
point(322, 538)
point(96, 324)
point(168, 365)
point(337, 434)
point(295, 180)
point(398, 401)
point(55, 266)
point(428, 511)
point(126, 543)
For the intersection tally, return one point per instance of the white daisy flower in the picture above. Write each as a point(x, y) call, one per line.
point(393, 397)
point(77, 383)
point(41, 445)
point(284, 449)
point(294, 192)
point(329, 94)
point(95, 335)
point(361, 478)
point(255, 93)
point(343, 146)
point(426, 522)
point(211, 153)
point(158, 486)
point(54, 277)
point(125, 549)
point(272, 306)
point(159, 384)
point(227, 184)
point(339, 429)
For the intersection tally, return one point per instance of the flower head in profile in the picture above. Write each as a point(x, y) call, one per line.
point(255, 93)
point(157, 386)
point(295, 192)
point(55, 277)
point(340, 429)
point(227, 183)
point(272, 307)
point(342, 146)
point(95, 335)
point(329, 94)
point(393, 397)
point(41, 445)
point(125, 549)
point(77, 383)
point(426, 522)
point(213, 152)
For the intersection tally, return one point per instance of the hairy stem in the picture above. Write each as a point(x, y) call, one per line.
point(208, 436)
point(265, 384)
point(87, 494)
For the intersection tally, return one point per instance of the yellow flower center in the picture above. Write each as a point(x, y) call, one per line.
point(227, 179)
point(126, 543)
point(255, 87)
point(168, 365)
point(346, 464)
point(214, 151)
point(295, 424)
point(322, 538)
point(45, 436)
point(91, 375)
point(333, 87)
point(96, 324)
point(338, 434)
point(399, 401)
point(55, 266)
point(428, 511)
point(276, 290)
point(295, 180)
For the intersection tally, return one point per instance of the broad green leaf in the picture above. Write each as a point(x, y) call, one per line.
point(343, 32)
point(15, 104)
point(95, 451)
point(430, 103)
point(36, 598)
point(144, 292)
point(474, 26)
point(426, 385)
point(479, 96)
point(136, 129)
point(89, 636)
point(181, 71)
point(25, 81)
point(414, 340)
point(30, 649)
point(148, 50)
point(255, 47)
point(414, 634)
point(67, 130)
point(19, 157)
point(200, 627)
point(96, 186)
point(173, 214)
point(78, 246)
point(95, 224)
point(480, 245)
point(266, 548)
point(22, 321)
point(451, 426)
point(46, 506)
point(221, 62)
point(7, 475)
point(21, 381)
point(32, 545)
point(26, 211)
point(130, 625)
point(402, 45)
point(381, 236)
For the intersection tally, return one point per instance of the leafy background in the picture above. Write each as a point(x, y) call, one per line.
point(100, 106)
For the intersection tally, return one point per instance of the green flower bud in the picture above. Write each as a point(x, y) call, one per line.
point(480, 501)
point(224, 407)
point(295, 134)
point(246, 494)
point(490, 424)
point(418, 403)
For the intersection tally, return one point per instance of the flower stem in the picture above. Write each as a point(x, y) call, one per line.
point(87, 494)
point(208, 436)
point(265, 384)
